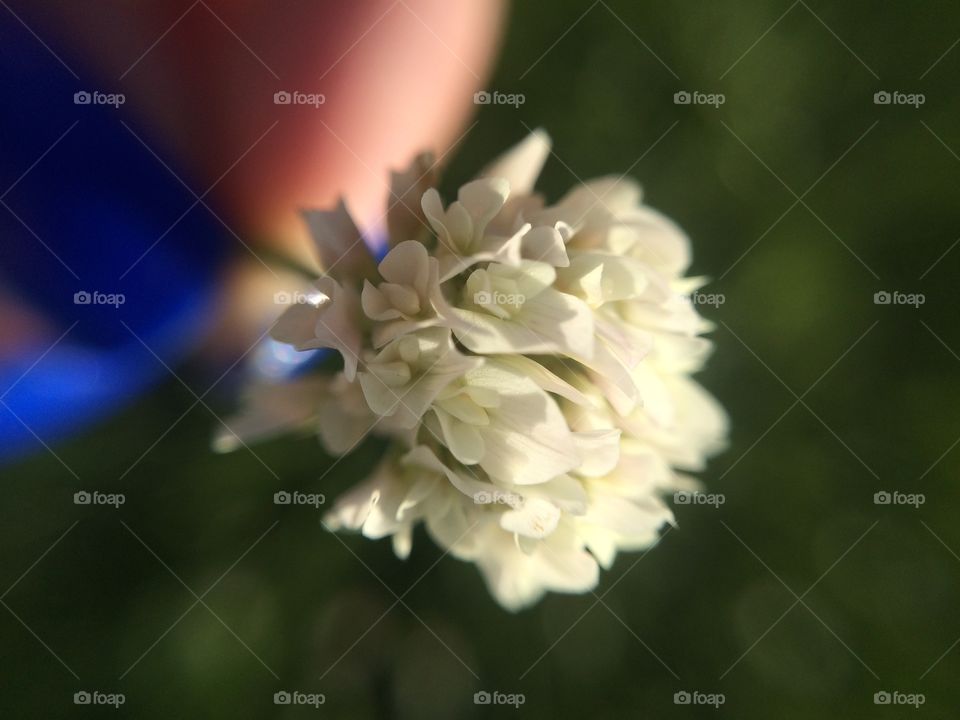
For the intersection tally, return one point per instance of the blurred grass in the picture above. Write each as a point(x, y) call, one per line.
point(798, 486)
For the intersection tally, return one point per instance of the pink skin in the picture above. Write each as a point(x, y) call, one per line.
point(398, 77)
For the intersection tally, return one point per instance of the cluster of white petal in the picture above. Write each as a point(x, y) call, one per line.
point(530, 364)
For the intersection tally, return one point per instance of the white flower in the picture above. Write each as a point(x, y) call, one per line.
point(329, 319)
point(530, 364)
point(410, 297)
point(406, 376)
point(497, 418)
point(402, 491)
point(515, 309)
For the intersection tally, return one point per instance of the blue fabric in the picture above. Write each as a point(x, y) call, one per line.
point(99, 200)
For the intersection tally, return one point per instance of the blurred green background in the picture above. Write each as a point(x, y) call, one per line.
point(798, 598)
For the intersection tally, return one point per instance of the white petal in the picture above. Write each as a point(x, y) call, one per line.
point(406, 264)
point(340, 433)
point(454, 530)
point(483, 199)
point(635, 524)
point(403, 542)
point(549, 323)
point(523, 459)
point(659, 240)
point(614, 378)
point(332, 323)
point(432, 207)
point(270, 409)
point(600, 279)
point(564, 491)
point(464, 441)
point(600, 450)
point(421, 490)
point(296, 325)
point(527, 440)
point(543, 377)
point(375, 305)
point(339, 245)
point(517, 579)
point(521, 165)
point(439, 363)
point(467, 483)
point(545, 244)
point(599, 198)
point(536, 519)
point(363, 507)
point(405, 219)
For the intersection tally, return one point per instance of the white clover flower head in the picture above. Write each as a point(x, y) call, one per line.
point(529, 363)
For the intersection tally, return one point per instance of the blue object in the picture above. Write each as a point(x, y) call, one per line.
point(276, 361)
point(98, 221)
